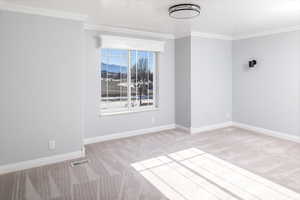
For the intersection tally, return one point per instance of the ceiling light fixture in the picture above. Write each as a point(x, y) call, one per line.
point(184, 11)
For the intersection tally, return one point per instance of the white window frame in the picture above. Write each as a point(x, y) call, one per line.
point(132, 109)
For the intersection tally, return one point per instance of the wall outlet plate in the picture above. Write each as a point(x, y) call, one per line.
point(228, 116)
point(153, 120)
point(52, 144)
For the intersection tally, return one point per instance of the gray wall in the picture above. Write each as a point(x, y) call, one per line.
point(211, 69)
point(183, 81)
point(268, 96)
point(47, 94)
point(41, 86)
point(96, 125)
point(203, 81)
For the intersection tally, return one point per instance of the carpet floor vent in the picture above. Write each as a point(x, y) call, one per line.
point(79, 162)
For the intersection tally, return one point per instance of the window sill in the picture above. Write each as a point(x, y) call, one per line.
point(129, 112)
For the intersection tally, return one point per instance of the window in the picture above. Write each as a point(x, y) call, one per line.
point(128, 80)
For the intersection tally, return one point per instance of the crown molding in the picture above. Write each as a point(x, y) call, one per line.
point(245, 36)
point(42, 12)
point(135, 32)
point(266, 33)
point(211, 35)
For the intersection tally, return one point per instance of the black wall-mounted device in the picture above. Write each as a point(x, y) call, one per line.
point(252, 63)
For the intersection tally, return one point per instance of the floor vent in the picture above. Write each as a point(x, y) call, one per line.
point(79, 162)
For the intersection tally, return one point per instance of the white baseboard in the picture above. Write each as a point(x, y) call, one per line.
point(268, 132)
point(183, 128)
point(128, 134)
point(40, 162)
point(210, 127)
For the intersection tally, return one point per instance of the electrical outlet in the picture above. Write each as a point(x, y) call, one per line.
point(52, 144)
point(228, 116)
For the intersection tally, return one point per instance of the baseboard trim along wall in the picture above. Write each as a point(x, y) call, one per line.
point(185, 129)
point(193, 130)
point(268, 132)
point(40, 162)
point(128, 134)
point(210, 127)
point(255, 129)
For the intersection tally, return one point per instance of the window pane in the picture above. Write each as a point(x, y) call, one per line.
point(151, 78)
point(115, 82)
point(123, 87)
point(104, 73)
point(142, 77)
point(105, 53)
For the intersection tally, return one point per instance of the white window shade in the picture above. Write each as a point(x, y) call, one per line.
point(116, 42)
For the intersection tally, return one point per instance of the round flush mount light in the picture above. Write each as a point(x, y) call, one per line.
point(184, 11)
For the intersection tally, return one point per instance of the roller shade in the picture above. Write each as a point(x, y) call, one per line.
point(116, 42)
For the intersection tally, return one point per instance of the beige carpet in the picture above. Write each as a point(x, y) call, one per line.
point(219, 165)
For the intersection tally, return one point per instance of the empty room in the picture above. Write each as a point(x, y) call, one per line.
point(150, 100)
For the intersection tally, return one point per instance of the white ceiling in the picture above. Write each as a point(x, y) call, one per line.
point(226, 17)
